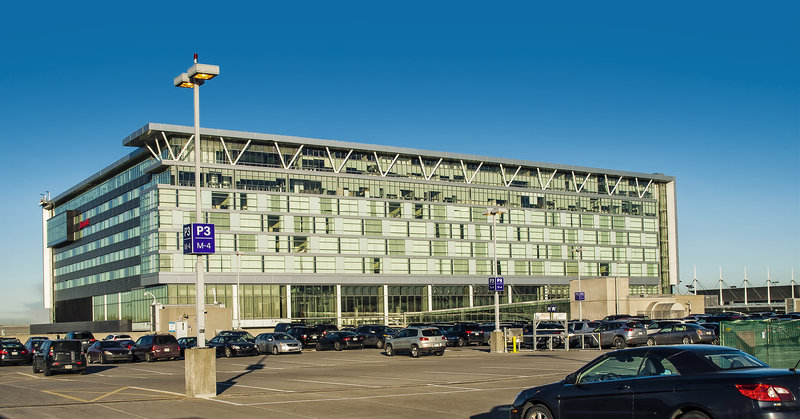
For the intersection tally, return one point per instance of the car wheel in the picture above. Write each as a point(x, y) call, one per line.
point(103, 359)
point(319, 347)
point(149, 357)
point(651, 342)
point(461, 342)
point(337, 346)
point(35, 370)
point(275, 351)
point(538, 412)
point(439, 353)
point(379, 344)
point(414, 351)
point(389, 350)
point(687, 340)
point(47, 371)
point(619, 342)
point(693, 415)
point(228, 352)
point(82, 372)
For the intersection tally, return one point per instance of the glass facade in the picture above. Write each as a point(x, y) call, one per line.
point(310, 217)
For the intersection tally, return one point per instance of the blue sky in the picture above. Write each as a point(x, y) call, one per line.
point(708, 93)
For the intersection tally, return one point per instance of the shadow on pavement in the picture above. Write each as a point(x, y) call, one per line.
point(223, 386)
point(497, 412)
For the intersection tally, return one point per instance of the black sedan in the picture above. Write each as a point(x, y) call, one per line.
point(231, 346)
point(14, 353)
point(669, 382)
point(340, 340)
point(105, 351)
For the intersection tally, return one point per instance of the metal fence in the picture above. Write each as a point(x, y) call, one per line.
point(775, 342)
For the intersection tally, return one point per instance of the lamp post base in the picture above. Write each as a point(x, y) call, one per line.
point(497, 343)
point(201, 372)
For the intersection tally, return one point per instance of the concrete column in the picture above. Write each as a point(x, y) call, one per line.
point(339, 306)
point(430, 297)
point(386, 304)
point(289, 302)
point(201, 372)
point(508, 287)
point(471, 296)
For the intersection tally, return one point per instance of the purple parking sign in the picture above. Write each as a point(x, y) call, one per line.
point(198, 239)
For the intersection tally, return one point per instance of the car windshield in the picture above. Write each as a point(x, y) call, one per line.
point(13, 345)
point(729, 360)
point(235, 339)
point(431, 332)
point(282, 336)
point(66, 346)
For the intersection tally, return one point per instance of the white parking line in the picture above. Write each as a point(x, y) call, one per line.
point(155, 372)
point(259, 388)
point(309, 363)
point(338, 384)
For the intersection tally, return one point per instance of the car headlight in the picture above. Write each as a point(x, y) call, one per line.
point(235, 346)
point(107, 353)
point(520, 399)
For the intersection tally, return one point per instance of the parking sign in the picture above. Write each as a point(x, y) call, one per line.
point(198, 239)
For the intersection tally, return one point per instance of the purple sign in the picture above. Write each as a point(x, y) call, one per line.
point(198, 239)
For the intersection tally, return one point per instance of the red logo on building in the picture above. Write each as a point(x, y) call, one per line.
point(83, 224)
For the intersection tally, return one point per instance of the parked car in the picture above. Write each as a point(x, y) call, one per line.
point(325, 328)
point(282, 327)
point(118, 336)
point(620, 334)
point(14, 353)
point(547, 334)
point(578, 331)
point(156, 346)
point(60, 356)
point(241, 333)
point(232, 345)
point(468, 332)
point(128, 343)
point(340, 340)
point(33, 346)
point(277, 343)
point(375, 334)
point(186, 343)
point(307, 335)
point(36, 338)
point(416, 341)
point(86, 337)
point(657, 325)
point(4, 339)
point(681, 382)
point(682, 333)
point(452, 339)
point(105, 351)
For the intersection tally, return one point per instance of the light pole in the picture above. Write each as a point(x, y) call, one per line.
point(769, 297)
point(236, 303)
point(194, 78)
point(580, 300)
point(152, 312)
point(496, 338)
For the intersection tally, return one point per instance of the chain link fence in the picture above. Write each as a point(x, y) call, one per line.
point(775, 342)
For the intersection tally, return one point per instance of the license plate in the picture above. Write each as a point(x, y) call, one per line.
point(436, 344)
point(69, 367)
point(166, 349)
point(14, 353)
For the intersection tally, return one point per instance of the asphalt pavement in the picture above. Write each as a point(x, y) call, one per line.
point(466, 382)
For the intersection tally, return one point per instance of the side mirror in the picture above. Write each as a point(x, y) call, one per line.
point(571, 378)
point(269, 340)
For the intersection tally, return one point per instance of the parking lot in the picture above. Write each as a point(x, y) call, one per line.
point(466, 382)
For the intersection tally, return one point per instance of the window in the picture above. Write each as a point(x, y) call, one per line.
point(618, 367)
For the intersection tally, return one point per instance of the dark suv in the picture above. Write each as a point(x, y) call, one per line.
point(152, 347)
point(307, 335)
point(86, 337)
point(283, 327)
point(59, 355)
point(240, 333)
point(375, 334)
point(467, 333)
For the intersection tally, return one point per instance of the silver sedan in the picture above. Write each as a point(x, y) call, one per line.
point(277, 343)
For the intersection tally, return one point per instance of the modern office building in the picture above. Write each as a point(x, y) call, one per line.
point(316, 228)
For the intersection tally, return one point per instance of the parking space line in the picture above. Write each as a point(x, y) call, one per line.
point(120, 411)
point(446, 386)
point(309, 363)
point(259, 388)
point(155, 372)
point(338, 384)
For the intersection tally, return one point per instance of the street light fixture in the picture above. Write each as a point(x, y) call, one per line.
point(194, 78)
point(237, 306)
point(580, 300)
point(494, 212)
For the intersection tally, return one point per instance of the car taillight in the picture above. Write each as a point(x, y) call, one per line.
point(765, 392)
point(444, 337)
point(423, 339)
point(304, 336)
point(345, 338)
point(627, 330)
point(469, 331)
point(3, 352)
point(24, 351)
